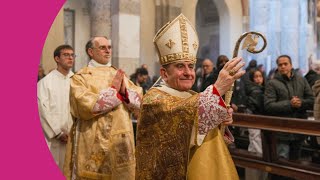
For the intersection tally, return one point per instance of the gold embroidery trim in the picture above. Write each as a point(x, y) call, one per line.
point(184, 35)
point(177, 56)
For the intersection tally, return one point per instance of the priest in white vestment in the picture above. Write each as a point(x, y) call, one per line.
point(53, 103)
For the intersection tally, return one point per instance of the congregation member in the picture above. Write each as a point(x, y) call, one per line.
point(207, 76)
point(288, 94)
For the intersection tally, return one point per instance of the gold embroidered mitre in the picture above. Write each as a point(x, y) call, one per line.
point(177, 40)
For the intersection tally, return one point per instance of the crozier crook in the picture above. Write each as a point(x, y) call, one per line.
point(250, 42)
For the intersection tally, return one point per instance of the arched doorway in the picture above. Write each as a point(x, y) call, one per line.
point(230, 21)
point(207, 26)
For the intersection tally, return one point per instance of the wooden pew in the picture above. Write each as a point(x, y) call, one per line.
point(269, 161)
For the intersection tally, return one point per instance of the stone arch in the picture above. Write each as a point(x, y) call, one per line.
point(230, 22)
point(155, 14)
point(207, 26)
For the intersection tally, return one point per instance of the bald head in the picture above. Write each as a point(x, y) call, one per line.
point(99, 49)
point(207, 66)
point(145, 66)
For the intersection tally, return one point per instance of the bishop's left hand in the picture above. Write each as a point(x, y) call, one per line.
point(229, 120)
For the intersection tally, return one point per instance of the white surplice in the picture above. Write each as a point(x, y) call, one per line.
point(54, 110)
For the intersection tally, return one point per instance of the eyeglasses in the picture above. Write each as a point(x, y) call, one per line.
point(69, 55)
point(103, 48)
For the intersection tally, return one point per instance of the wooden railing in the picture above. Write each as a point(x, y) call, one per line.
point(269, 160)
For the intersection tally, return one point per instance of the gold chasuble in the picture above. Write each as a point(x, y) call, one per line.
point(102, 141)
point(168, 138)
point(211, 160)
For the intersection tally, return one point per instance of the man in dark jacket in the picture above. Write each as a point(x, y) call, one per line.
point(140, 78)
point(221, 61)
point(207, 78)
point(314, 73)
point(288, 95)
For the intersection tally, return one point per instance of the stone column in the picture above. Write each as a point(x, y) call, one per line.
point(100, 17)
point(317, 30)
point(259, 18)
point(308, 28)
point(147, 51)
point(165, 11)
point(304, 28)
point(125, 17)
point(274, 34)
point(290, 30)
point(245, 15)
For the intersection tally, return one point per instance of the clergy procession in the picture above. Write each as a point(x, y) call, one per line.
point(173, 120)
point(202, 115)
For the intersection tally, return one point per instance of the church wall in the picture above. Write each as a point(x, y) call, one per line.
point(292, 34)
point(188, 9)
point(126, 35)
point(207, 26)
point(132, 33)
point(82, 30)
point(230, 23)
point(230, 20)
point(318, 30)
point(209, 43)
point(147, 31)
point(54, 39)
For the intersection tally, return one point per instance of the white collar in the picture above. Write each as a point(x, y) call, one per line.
point(182, 94)
point(93, 63)
point(61, 75)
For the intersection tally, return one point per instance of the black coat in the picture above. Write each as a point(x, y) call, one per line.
point(280, 90)
point(255, 96)
point(144, 86)
point(312, 77)
point(207, 81)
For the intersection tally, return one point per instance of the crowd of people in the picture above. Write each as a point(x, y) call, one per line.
point(87, 116)
point(286, 93)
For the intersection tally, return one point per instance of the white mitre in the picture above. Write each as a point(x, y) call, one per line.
point(177, 40)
